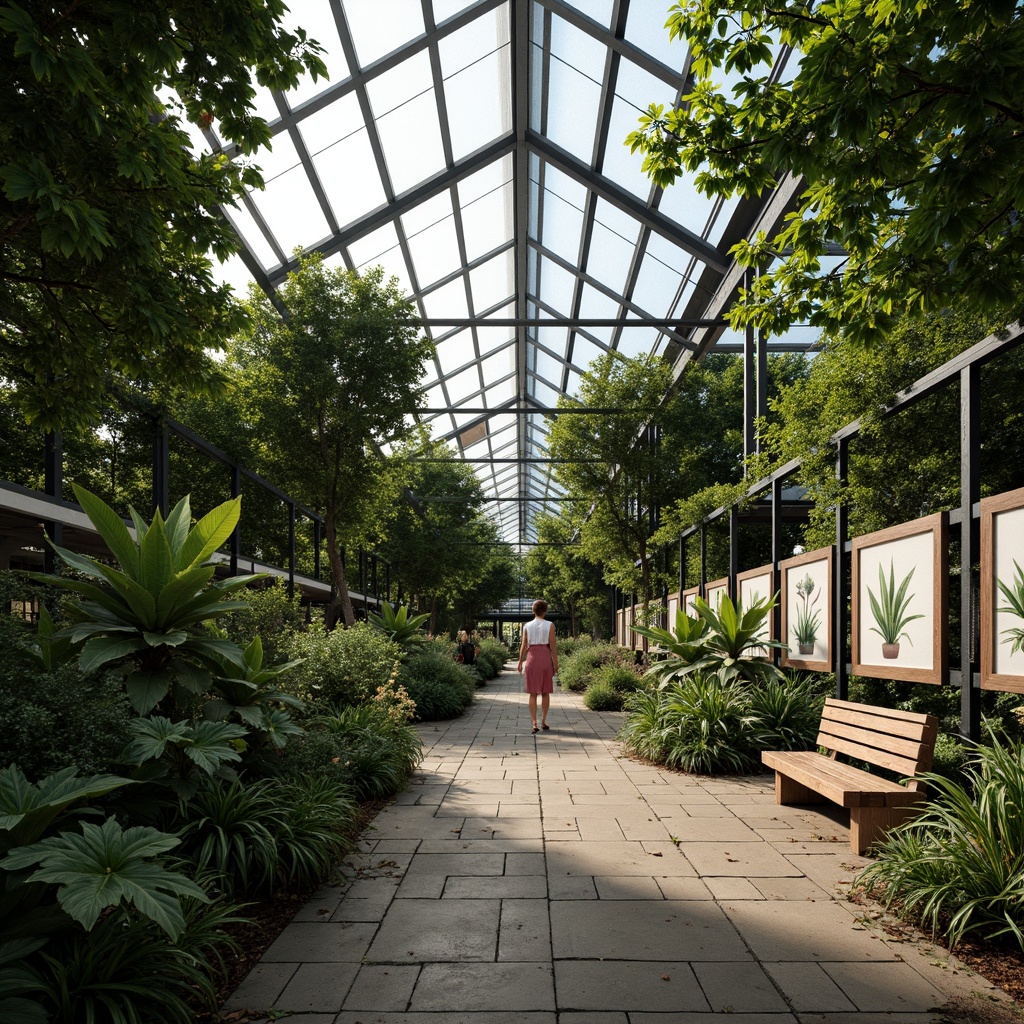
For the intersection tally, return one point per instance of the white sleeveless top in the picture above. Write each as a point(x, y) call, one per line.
point(538, 632)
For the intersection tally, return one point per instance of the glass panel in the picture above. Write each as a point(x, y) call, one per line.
point(233, 272)
point(493, 282)
point(576, 47)
point(598, 10)
point(380, 27)
point(487, 222)
point(645, 29)
point(684, 204)
point(317, 19)
point(291, 210)
point(596, 304)
point(501, 392)
point(445, 9)
point(455, 352)
point(636, 341)
point(427, 213)
point(725, 211)
point(492, 338)
point(556, 286)
point(279, 159)
point(544, 393)
point(479, 103)
point(391, 89)
point(656, 286)
point(253, 239)
point(547, 367)
point(499, 365)
point(573, 101)
point(447, 303)
point(554, 338)
point(619, 164)
point(411, 139)
point(381, 247)
point(563, 224)
point(464, 384)
point(584, 352)
point(480, 37)
point(490, 177)
point(435, 251)
point(609, 257)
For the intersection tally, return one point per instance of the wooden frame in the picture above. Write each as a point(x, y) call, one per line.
point(817, 566)
point(1002, 544)
point(714, 590)
point(917, 552)
point(686, 597)
point(753, 585)
point(672, 605)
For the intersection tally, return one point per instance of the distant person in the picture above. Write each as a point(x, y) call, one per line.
point(539, 650)
point(467, 649)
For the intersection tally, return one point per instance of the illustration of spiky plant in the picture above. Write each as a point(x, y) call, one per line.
point(1014, 594)
point(807, 617)
point(890, 611)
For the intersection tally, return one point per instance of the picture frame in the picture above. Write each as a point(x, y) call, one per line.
point(672, 605)
point(805, 583)
point(1002, 562)
point(687, 598)
point(900, 601)
point(714, 591)
point(754, 585)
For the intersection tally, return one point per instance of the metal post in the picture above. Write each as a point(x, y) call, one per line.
point(53, 481)
point(970, 494)
point(749, 395)
point(236, 533)
point(161, 468)
point(291, 550)
point(703, 556)
point(762, 386)
point(777, 557)
point(734, 546)
point(376, 589)
point(682, 564)
point(840, 614)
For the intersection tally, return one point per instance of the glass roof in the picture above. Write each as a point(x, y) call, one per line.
point(475, 150)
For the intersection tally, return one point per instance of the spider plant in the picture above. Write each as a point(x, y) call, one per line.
point(890, 607)
point(1014, 594)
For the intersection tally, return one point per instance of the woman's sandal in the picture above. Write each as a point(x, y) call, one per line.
point(535, 728)
point(545, 726)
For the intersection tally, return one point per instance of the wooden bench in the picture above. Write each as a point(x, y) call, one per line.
point(902, 741)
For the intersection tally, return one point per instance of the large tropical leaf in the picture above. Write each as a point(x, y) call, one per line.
point(106, 865)
point(101, 650)
point(146, 688)
point(156, 567)
point(209, 534)
point(111, 528)
point(179, 591)
point(176, 526)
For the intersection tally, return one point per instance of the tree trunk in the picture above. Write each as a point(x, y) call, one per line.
point(340, 602)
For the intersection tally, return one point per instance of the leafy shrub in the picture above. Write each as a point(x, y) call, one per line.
point(788, 713)
point(958, 865)
point(577, 671)
point(569, 645)
point(273, 832)
point(61, 719)
point(601, 696)
point(643, 732)
point(951, 757)
point(268, 614)
point(494, 654)
point(621, 679)
point(341, 666)
point(127, 969)
point(440, 687)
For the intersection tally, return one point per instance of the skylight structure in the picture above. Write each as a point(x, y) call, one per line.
point(474, 148)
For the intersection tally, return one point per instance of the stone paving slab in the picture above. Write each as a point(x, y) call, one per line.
point(546, 879)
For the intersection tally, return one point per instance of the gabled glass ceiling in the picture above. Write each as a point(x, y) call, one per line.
point(475, 150)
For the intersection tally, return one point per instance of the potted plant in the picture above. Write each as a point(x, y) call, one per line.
point(890, 611)
point(1014, 594)
point(807, 617)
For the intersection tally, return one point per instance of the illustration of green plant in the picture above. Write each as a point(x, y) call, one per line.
point(808, 618)
point(890, 611)
point(1014, 593)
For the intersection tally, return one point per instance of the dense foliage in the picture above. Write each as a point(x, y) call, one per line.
point(897, 118)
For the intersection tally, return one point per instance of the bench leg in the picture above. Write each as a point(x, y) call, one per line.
point(869, 824)
point(787, 791)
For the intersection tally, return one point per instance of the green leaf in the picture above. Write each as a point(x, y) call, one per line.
point(176, 526)
point(146, 689)
point(185, 586)
point(209, 534)
point(101, 650)
point(111, 528)
point(155, 563)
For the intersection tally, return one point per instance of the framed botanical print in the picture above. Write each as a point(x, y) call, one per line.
point(715, 590)
point(900, 597)
point(755, 585)
point(1002, 592)
point(805, 582)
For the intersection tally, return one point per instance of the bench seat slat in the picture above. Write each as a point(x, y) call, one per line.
point(840, 783)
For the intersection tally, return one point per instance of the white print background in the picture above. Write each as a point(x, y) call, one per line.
point(753, 589)
point(1008, 546)
point(715, 594)
point(905, 554)
point(818, 571)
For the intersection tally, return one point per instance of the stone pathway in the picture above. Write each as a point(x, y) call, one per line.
point(548, 880)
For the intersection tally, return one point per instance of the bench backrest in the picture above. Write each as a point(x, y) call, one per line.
point(902, 741)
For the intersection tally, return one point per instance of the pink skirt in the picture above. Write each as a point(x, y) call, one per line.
point(539, 670)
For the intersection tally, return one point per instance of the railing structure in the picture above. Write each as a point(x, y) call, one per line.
point(963, 371)
point(28, 514)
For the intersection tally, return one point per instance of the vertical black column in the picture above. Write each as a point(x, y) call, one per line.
point(703, 556)
point(682, 565)
point(970, 495)
point(291, 550)
point(734, 546)
point(761, 410)
point(53, 481)
point(749, 394)
point(840, 614)
point(777, 557)
point(235, 541)
point(161, 468)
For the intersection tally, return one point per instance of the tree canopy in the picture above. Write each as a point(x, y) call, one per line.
point(323, 388)
point(108, 217)
point(904, 121)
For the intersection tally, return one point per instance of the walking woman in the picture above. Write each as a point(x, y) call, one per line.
point(539, 650)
